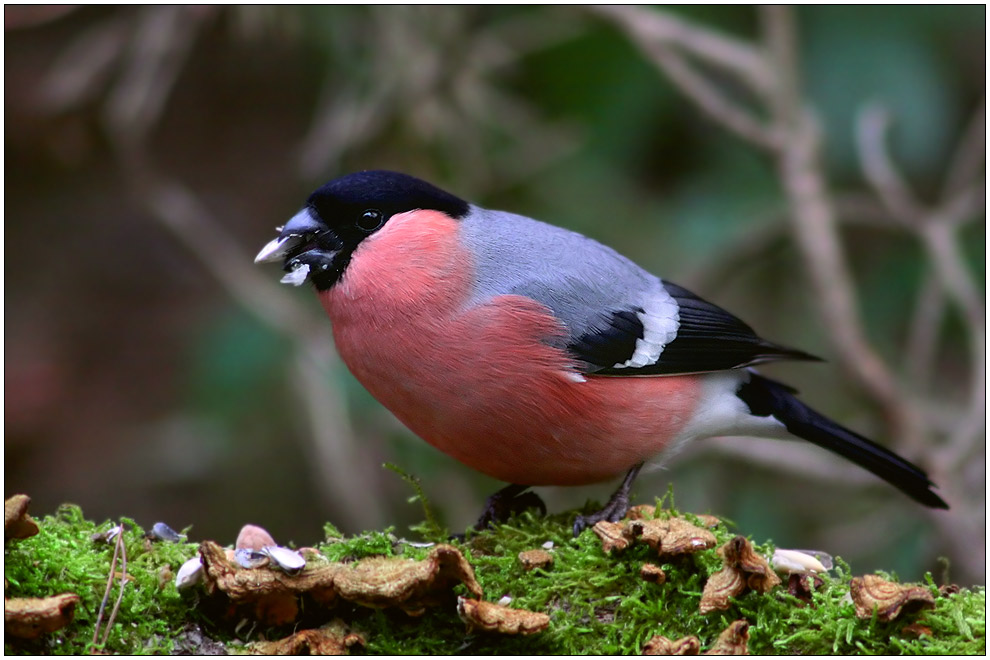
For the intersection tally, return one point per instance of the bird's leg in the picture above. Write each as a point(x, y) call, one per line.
point(616, 507)
point(502, 504)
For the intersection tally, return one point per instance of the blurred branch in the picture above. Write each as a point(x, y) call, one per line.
point(813, 221)
point(711, 101)
point(652, 27)
point(793, 139)
point(156, 54)
point(922, 338)
point(936, 227)
point(800, 460)
point(968, 161)
point(31, 16)
point(663, 37)
point(723, 265)
point(157, 51)
point(895, 194)
point(177, 209)
point(430, 76)
point(84, 66)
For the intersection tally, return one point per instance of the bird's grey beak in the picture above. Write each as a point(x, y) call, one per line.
point(277, 248)
point(294, 234)
point(300, 245)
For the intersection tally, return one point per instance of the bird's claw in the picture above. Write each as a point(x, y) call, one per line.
point(512, 499)
point(616, 507)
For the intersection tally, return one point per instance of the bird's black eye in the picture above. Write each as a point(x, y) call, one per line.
point(370, 220)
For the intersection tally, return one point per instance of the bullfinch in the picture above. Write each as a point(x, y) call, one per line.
point(534, 354)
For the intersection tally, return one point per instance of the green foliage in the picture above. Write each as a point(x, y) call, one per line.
point(598, 603)
point(64, 558)
point(430, 528)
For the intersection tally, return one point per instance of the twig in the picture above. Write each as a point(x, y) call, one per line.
point(134, 106)
point(937, 228)
point(965, 165)
point(160, 45)
point(123, 582)
point(339, 467)
point(711, 101)
point(799, 460)
point(750, 246)
point(922, 336)
point(796, 148)
point(176, 208)
point(656, 26)
point(871, 128)
point(662, 37)
point(943, 248)
point(813, 221)
point(793, 139)
point(118, 549)
point(343, 467)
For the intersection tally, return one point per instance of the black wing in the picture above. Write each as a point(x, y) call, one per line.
point(708, 339)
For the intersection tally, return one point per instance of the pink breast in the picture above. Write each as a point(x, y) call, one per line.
point(484, 385)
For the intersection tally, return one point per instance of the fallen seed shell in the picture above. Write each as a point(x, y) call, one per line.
point(288, 560)
point(796, 561)
point(248, 558)
point(253, 537)
point(189, 574)
point(163, 532)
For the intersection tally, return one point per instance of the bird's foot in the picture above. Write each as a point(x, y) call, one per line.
point(616, 507)
point(500, 506)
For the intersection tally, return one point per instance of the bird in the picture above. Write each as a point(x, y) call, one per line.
point(534, 354)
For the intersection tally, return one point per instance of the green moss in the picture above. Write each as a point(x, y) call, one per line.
point(597, 603)
point(64, 558)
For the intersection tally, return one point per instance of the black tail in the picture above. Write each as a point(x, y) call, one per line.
point(767, 397)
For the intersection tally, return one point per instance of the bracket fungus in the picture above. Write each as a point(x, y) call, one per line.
point(29, 618)
point(652, 573)
point(888, 599)
point(732, 641)
point(742, 568)
point(335, 638)
point(674, 536)
point(668, 536)
point(660, 645)
point(492, 617)
point(378, 582)
point(405, 583)
point(612, 535)
point(531, 559)
point(649, 512)
point(17, 524)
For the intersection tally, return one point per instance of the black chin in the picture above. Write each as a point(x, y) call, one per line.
point(325, 266)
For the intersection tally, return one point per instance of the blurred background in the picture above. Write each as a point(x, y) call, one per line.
point(152, 371)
